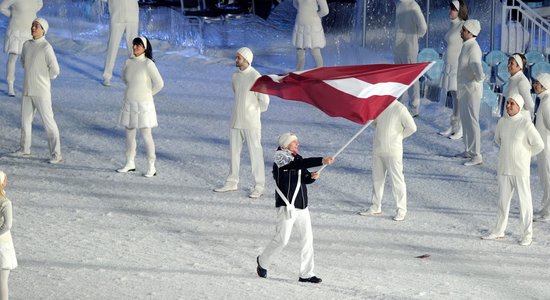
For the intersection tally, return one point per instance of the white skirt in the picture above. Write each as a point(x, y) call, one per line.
point(14, 39)
point(308, 36)
point(7, 257)
point(138, 114)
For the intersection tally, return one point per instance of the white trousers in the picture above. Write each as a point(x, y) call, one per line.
point(302, 220)
point(507, 185)
point(381, 166)
point(29, 105)
point(414, 90)
point(543, 168)
point(116, 30)
point(253, 139)
point(469, 116)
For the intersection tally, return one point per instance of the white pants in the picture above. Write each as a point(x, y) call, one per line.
point(29, 105)
point(302, 220)
point(414, 90)
point(116, 30)
point(543, 167)
point(394, 166)
point(147, 139)
point(253, 139)
point(469, 116)
point(507, 185)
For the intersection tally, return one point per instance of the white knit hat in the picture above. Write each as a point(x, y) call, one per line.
point(518, 99)
point(473, 26)
point(544, 79)
point(246, 53)
point(43, 23)
point(286, 138)
point(518, 60)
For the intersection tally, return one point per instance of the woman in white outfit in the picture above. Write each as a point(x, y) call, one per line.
point(308, 31)
point(8, 261)
point(458, 13)
point(21, 14)
point(519, 84)
point(143, 81)
point(542, 124)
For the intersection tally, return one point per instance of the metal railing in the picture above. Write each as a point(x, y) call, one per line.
point(523, 29)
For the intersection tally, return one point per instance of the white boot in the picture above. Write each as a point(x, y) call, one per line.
point(129, 167)
point(11, 90)
point(457, 135)
point(151, 171)
point(447, 132)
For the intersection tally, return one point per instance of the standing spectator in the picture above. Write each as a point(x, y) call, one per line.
point(8, 260)
point(519, 84)
point(246, 125)
point(21, 14)
point(143, 81)
point(40, 65)
point(393, 125)
point(469, 90)
point(410, 26)
point(291, 175)
point(518, 140)
point(458, 13)
point(542, 123)
point(308, 31)
point(124, 15)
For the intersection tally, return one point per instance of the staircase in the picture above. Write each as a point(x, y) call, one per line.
point(524, 28)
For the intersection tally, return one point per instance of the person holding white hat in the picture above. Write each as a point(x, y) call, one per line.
point(21, 14)
point(143, 81)
point(542, 124)
point(469, 91)
point(291, 174)
point(410, 26)
point(518, 140)
point(8, 260)
point(458, 13)
point(392, 126)
point(308, 31)
point(124, 20)
point(40, 65)
point(519, 84)
point(245, 124)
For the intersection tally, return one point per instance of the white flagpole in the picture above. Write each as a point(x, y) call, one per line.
point(349, 142)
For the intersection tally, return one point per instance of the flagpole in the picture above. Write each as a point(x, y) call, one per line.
point(349, 142)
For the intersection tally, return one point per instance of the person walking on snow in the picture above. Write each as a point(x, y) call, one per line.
point(393, 125)
point(143, 81)
point(308, 31)
point(40, 65)
point(246, 125)
point(458, 13)
point(290, 171)
point(8, 260)
point(469, 90)
point(518, 140)
point(519, 84)
point(410, 26)
point(542, 124)
point(124, 20)
point(21, 14)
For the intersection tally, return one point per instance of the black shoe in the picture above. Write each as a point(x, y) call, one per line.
point(313, 279)
point(261, 271)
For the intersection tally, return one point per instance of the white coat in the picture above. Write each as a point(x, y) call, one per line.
point(8, 259)
point(123, 11)
point(248, 105)
point(21, 14)
point(519, 84)
point(308, 30)
point(542, 125)
point(410, 26)
point(454, 45)
point(143, 81)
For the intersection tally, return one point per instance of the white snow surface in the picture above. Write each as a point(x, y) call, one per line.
point(83, 231)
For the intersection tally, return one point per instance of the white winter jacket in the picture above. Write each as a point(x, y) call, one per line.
point(21, 14)
point(123, 11)
point(248, 105)
point(518, 140)
point(543, 121)
point(470, 72)
point(308, 30)
point(410, 26)
point(454, 45)
point(519, 84)
point(393, 125)
point(40, 64)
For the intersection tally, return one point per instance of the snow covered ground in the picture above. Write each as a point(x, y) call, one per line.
point(82, 231)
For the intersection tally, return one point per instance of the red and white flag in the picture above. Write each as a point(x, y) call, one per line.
point(357, 93)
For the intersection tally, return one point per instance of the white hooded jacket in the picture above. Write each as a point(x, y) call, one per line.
point(123, 11)
point(248, 105)
point(410, 26)
point(393, 125)
point(40, 64)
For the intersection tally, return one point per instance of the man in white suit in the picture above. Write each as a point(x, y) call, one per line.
point(246, 125)
point(124, 15)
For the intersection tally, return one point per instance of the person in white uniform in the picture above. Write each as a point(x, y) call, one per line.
point(40, 65)
point(308, 31)
point(393, 125)
point(21, 14)
point(410, 26)
point(245, 124)
point(458, 13)
point(143, 81)
point(8, 260)
point(518, 140)
point(124, 20)
point(469, 91)
point(519, 84)
point(542, 124)
point(290, 171)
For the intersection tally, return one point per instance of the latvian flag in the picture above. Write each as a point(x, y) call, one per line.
point(357, 93)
